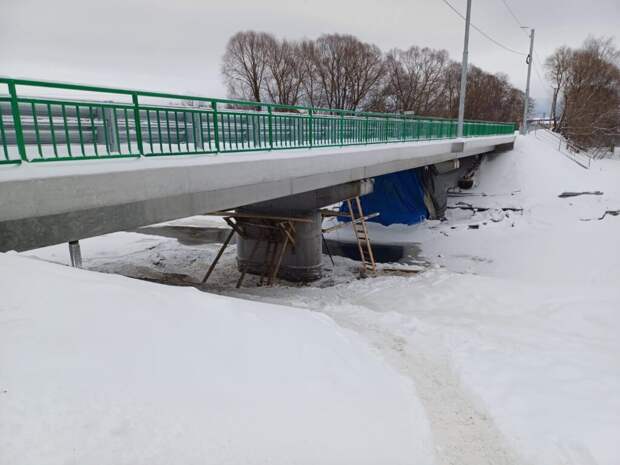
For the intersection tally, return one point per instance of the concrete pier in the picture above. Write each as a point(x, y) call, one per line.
point(303, 261)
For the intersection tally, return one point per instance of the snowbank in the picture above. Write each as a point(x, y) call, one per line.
point(541, 360)
point(511, 337)
point(104, 369)
point(524, 310)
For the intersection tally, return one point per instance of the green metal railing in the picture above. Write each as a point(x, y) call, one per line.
point(37, 129)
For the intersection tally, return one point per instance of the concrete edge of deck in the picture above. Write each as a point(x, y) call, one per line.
point(43, 205)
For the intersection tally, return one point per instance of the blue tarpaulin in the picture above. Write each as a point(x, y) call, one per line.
point(398, 197)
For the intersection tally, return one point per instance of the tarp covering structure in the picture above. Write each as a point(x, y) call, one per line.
point(398, 197)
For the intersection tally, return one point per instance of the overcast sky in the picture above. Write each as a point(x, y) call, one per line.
point(176, 45)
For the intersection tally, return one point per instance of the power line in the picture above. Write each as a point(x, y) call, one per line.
point(537, 60)
point(512, 13)
point(537, 64)
point(541, 80)
point(484, 34)
point(522, 28)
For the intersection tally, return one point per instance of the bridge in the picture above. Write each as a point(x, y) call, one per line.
point(78, 161)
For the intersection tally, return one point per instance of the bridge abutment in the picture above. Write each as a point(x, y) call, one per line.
point(441, 177)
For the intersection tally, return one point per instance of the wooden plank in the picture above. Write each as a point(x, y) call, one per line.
point(279, 262)
point(217, 257)
point(347, 223)
point(327, 212)
point(233, 214)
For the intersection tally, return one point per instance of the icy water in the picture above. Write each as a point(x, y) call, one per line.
point(383, 253)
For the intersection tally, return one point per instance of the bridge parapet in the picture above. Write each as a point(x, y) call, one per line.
point(103, 123)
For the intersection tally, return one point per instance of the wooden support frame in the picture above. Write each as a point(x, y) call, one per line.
point(234, 214)
point(277, 231)
point(218, 256)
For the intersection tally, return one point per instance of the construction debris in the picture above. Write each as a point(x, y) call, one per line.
point(607, 212)
point(468, 206)
point(564, 195)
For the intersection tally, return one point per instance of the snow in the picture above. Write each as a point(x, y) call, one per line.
point(527, 305)
point(552, 232)
point(104, 369)
point(507, 338)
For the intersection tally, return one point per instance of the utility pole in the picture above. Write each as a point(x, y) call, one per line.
point(528, 60)
point(459, 132)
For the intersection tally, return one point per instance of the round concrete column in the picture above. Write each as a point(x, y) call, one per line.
point(300, 263)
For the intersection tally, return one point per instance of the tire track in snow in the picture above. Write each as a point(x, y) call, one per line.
point(462, 431)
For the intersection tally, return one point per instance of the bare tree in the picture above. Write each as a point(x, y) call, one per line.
point(557, 66)
point(451, 91)
point(313, 93)
point(245, 62)
point(489, 96)
point(285, 73)
point(343, 70)
point(590, 89)
point(416, 79)
point(339, 71)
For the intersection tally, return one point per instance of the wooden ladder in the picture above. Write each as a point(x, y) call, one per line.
point(361, 234)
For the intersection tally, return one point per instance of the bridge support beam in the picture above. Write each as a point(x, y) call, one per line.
point(303, 261)
point(75, 253)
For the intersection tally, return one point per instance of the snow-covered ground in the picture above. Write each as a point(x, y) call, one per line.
point(103, 369)
point(504, 350)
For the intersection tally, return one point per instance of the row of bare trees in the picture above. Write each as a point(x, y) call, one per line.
point(340, 71)
point(586, 91)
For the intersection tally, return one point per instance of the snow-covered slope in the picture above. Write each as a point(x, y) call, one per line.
point(525, 309)
point(510, 337)
point(102, 369)
point(555, 239)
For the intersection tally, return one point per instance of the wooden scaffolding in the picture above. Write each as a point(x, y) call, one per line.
point(277, 233)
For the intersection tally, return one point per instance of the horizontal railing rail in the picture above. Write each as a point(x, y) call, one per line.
point(38, 129)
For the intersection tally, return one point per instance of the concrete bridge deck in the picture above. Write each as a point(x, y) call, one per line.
point(44, 204)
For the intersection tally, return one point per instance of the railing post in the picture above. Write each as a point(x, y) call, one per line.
point(196, 132)
point(136, 117)
point(270, 120)
point(113, 142)
point(17, 122)
point(366, 131)
point(216, 131)
point(386, 134)
point(311, 128)
point(341, 128)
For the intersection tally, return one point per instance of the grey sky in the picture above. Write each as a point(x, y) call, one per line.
point(177, 44)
